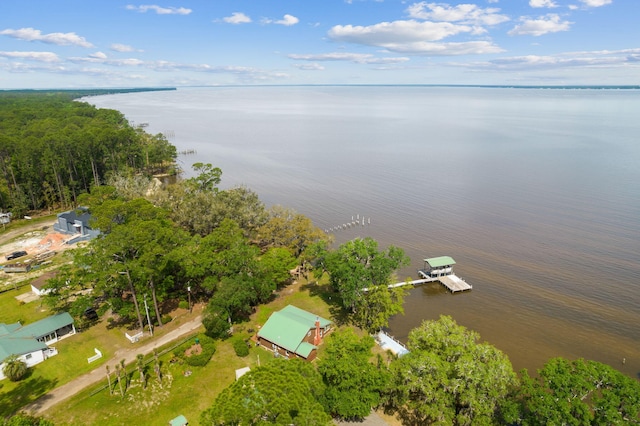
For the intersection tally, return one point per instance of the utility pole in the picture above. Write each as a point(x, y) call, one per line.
point(146, 308)
point(189, 290)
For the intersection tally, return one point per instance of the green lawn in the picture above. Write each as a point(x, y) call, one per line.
point(14, 311)
point(73, 352)
point(180, 394)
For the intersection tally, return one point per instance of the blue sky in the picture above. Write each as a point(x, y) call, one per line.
point(112, 43)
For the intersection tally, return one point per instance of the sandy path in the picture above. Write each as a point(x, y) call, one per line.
point(129, 355)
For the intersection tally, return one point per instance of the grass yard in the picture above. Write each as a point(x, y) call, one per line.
point(15, 311)
point(181, 394)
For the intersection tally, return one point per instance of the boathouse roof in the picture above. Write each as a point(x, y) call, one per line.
point(438, 262)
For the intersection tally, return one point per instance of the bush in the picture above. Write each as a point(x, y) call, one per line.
point(241, 347)
point(166, 319)
point(183, 304)
point(14, 369)
point(208, 349)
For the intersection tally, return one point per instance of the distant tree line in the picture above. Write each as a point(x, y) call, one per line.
point(52, 149)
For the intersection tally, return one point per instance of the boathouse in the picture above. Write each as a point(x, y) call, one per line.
point(439, 266)
point(294, 333)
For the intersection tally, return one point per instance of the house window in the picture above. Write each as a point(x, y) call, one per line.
point(29, 356)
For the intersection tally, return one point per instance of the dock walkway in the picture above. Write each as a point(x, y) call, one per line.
point(451, 281)
point(388, 343)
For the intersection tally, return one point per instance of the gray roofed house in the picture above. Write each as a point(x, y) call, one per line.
point(76, 224)
point(294, 332)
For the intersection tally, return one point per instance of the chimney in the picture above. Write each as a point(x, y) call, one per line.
point(316, 339)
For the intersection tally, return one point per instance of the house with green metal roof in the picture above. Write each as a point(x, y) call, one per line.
point(294, 332)
point(30, 343)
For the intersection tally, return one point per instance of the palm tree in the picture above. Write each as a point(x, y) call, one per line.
point(109, 380)
point(140, 365)
point(118, 373)
point(14, 368)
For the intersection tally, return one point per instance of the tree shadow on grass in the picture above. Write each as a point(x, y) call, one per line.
point(339, 314)
point(24, 394)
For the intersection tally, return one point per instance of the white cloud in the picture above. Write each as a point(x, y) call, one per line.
point(469, 14)
point(309, 67)
point(101, 58)
point(550, 23)
point(237, 18)
point(160, 10)
point(446, 49)
point(32, 56)
point(98, 55)
point(542, 3)
point(287, 20)
point(61, 39)
point(596, 3)
point(396, 32)
point(588, 59)
point(360, 58)
point(412, 37)
point(117, 47)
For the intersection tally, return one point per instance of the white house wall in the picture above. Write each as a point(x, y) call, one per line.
point(30, 359)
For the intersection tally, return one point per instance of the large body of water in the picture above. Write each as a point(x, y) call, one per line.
point(535, 193)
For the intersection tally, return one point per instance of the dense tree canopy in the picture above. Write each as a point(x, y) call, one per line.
point(283, 392)
point(353, 382)
point(448, 377)
point(578, 392)
point(358, 265)
point(53, 148)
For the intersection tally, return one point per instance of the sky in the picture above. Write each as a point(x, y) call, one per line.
point(48, 44)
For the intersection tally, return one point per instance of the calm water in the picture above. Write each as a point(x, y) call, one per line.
point(535, 194)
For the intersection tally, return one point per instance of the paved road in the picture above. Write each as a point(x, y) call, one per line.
point(129, 355)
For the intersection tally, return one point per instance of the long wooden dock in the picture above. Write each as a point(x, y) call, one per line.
point(437, 269)
point(450, 281)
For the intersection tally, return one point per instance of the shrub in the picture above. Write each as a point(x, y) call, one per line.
point(183, 304)
point(166, 319)
point(241, 347)
point(14, 368)
point(208, 349)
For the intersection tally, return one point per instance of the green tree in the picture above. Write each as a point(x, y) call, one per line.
point(208, 177)
point(14, 368)
point(277, 264)
point(353, 383)
point(358, 265)
point(577, 392)
point(282, 392)
point(375, 306)
point(448, 377)
point(289, 229)
point(133, 255)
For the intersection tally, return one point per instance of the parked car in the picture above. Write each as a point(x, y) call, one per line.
point(16, 254)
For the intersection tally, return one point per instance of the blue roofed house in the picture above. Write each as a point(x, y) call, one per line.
point(294, 332)
point(76, 224)
point(31, 343)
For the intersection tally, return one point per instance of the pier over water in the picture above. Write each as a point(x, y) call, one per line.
point(438, 269)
